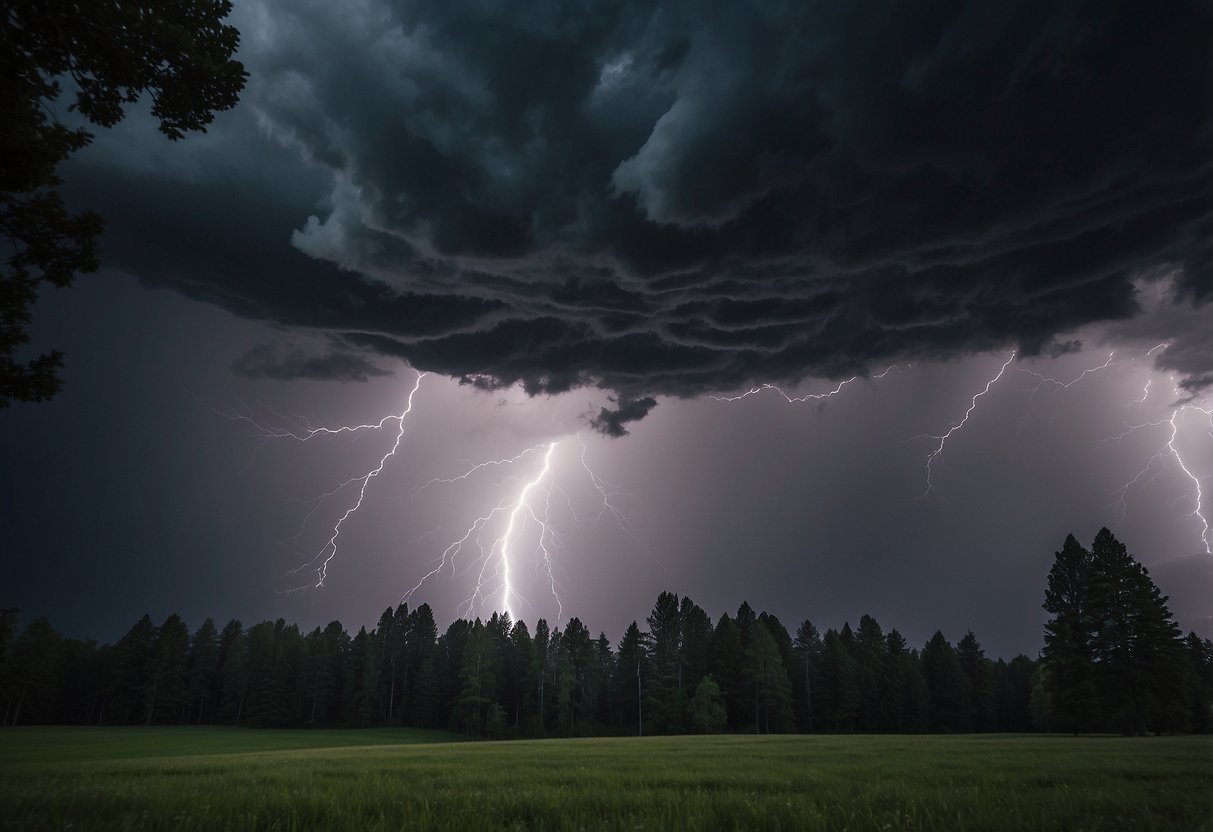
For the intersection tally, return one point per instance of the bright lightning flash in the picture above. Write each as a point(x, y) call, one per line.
point(329, 550)
point(496, 551)
point(1171, 451)
point(829, 394)
point(944, 437)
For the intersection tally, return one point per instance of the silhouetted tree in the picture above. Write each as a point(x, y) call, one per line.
point(36, 673)
point(1068, 654)
point(165, 680)
point(1137, 647)
point(946, 686)
point(982, 706)
point(201, 667)
point(180, 53)
point(1199, 683)
point(767, 680)
point(726, 660)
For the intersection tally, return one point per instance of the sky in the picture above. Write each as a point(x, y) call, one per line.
point(837, 309)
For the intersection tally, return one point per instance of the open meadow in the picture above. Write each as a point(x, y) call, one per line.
point(208, 778)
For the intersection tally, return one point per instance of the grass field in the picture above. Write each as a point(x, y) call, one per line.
point(208, 779)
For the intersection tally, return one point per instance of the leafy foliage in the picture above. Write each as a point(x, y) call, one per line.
point(178, 52)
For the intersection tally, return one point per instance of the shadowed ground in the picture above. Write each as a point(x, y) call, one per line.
point(130, 778)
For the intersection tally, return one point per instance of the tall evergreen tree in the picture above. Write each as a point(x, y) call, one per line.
point(1199, 683)
point(982, 706)
point(946, 685)
point(767, 681)
point(476, 691)
point(629, 680)
point(869, 663)
point(726, 661)
point(1137, 646)
point(37, 671)
point(233, 673)
point(806, 648)
point(202, 666)
point(165, 681)
point(1068, 654)
point(664, 703)
point(134, 656)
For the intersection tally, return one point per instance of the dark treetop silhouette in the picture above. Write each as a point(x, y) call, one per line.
point(178, 52)
point(1113, 660)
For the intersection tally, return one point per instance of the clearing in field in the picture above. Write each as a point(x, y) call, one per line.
point(204, 779)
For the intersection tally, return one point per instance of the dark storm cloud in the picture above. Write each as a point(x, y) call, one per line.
point(672, 198)
point(269, 361)
point(613, 422)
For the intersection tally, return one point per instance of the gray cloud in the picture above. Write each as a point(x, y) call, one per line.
point(662, 200)
point(270, 361)
point(613, 421)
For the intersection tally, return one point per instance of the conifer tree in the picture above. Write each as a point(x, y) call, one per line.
point(1137, 647)
point(1068, 654)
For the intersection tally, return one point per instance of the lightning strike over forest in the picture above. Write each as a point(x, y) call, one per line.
point(1168, 449)
point(329, 550)
point(943, 438)
point(519, 523)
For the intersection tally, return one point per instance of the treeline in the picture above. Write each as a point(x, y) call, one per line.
point(1113, 657)
point(682, 673)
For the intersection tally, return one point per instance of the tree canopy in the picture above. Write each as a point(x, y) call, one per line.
point(106, 55)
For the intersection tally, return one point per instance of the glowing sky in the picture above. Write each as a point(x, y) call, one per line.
point(621, 222)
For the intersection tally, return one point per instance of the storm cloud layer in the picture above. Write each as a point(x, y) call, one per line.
point(676, 198)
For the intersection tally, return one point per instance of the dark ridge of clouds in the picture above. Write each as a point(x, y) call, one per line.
point(612, 422)
point(659, 199)
point(270, 361)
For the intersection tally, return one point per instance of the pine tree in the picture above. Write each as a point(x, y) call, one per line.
point(946, 685)
point(165, 678)
point(134, 656)
point(982, 707)
point(1137, 646)
point(629, 679)
point(664, 703)
point(1068, 654)
point(869, 662)
point(726, 653)
point(202, 665)
point(806, 650)
point(37, 671)
point(233, 673)
point(1199, 683)
point(767, 681)
point(476, 691)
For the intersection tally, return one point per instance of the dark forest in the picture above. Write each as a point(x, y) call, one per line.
point(1113, 660)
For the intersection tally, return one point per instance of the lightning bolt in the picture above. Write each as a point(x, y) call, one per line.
point(503, 543)
point(944, 437)
point(493, 540)
point(1066, 385)
point(1168, 449)
point(329, 550)
point(799, 399)
point(1145, 393)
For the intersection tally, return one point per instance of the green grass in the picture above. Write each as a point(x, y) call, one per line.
point(76, 744)
point(59, 778)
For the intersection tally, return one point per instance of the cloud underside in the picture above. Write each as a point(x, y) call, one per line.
point(662, 200)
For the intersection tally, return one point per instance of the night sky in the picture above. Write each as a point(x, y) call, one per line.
point(601, 224)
